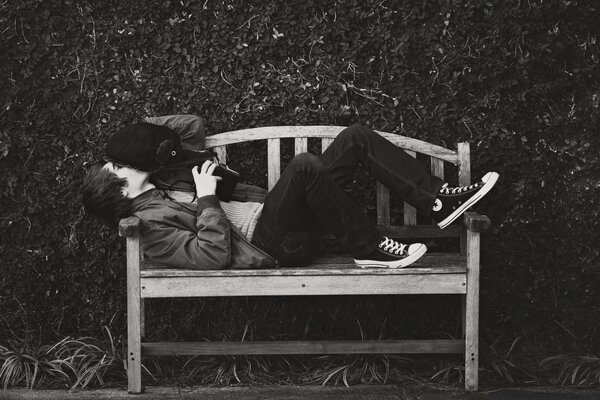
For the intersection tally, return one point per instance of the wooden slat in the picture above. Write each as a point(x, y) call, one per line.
point(274, 162)
point(464, 164)
point(304, 347)
point(437, 167)
point(410, 212)
point(300, 145)
point(134, 340)
point(340, 284)
point(383, 205)
point(320, 131)
point(325, 143)
point(324, 271)
point(129, 227)
point(464, 179)
point(472, 313)
point(477, 222)
point(221, 153)
point(326, 265)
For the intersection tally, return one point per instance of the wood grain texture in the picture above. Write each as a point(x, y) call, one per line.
point(477, 222)
point(464, 164)
point(300, 145)
point(322, 131)
point(129, 227)
point(464, 179)
point(303, 347)
point(437, 167)
point(326, 265)
point(303, 285)
point(134, 340)
point(274, 162)
point(472, 313)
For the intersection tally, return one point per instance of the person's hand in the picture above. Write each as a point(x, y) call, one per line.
point(206, 183)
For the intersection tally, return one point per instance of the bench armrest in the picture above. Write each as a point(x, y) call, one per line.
point(129, 227)
point(477, 222)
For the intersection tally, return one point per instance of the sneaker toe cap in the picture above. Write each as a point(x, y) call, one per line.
point(417, 248)
point(490, 175)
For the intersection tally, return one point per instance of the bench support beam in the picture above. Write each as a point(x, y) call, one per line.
point(304, 347)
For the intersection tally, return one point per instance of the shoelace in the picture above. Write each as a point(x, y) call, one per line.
point(459, 189)
point(391, 246)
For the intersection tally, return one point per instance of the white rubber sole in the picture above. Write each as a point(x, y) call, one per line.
point(405, 262)
point(489, 180)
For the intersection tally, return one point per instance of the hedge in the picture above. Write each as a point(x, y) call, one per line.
point(518, 80)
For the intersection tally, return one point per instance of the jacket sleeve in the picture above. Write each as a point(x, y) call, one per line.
point(167, 241)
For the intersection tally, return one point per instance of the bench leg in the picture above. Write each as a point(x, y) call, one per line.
point(472, 314)
point(134, 314)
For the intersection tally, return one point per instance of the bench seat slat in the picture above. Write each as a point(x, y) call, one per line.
point(333, 264)
point(304, 347)
point(301, 285)
point(448, 277)
point(327, 265)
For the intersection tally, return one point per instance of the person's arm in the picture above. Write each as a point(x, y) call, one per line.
point(166, 239)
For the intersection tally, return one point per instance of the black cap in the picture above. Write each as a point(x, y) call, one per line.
point(148, 147)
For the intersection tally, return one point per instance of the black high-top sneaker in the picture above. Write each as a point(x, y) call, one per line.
point(391, 254)
point(451, 202)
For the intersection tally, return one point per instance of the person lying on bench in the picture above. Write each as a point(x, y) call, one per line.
point(198, 231)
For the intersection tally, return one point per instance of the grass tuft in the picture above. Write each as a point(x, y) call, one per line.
point(356, 369)
point(574, 369)
point(75, 362)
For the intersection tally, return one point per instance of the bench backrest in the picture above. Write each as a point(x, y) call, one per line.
point(437, 155)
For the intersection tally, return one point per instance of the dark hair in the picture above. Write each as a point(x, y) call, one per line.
point(102, 195)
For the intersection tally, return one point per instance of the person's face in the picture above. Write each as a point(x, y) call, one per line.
point(118, 170)
point(115, 169)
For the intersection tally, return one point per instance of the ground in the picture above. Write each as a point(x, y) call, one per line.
point(371, 392)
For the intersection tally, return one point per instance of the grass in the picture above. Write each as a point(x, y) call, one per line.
point(355, 369)
point(88, 362)
point(574, 369)
point(76, 363)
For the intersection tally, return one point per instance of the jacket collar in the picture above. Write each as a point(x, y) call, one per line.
point(145, 197)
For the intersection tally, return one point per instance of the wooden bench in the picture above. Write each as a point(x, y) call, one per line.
point(435, 273)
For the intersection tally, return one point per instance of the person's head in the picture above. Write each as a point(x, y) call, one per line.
point(131, 155)
point(104, 193)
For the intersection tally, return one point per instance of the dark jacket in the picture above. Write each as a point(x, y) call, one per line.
point(193, 235)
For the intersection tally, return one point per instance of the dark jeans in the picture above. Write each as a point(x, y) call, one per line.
point(309, 196)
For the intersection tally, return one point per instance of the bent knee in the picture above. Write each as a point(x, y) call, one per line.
point(356, 131)
point(307, 164)
point(307, 160)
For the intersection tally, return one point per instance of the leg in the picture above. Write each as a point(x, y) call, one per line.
point(360, 146)
point(134, 340)
point(305, 196)
point(472, 313)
